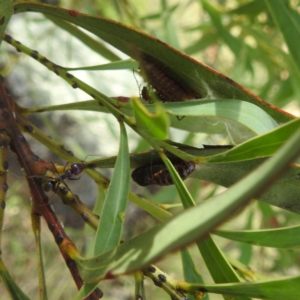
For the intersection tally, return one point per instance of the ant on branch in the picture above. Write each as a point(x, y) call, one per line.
point(72, 173)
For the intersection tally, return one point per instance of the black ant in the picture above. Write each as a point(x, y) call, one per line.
point(54, 183)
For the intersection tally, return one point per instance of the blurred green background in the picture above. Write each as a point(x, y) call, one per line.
point(237, 38)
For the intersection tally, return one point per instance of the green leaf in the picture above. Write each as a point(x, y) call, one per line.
point(170, 25)
point(251, 8)
point(152, 208)
point(224, 112)
point(144, 249)
point(239, 119)
point(232, 42)
point(110, 226)
point(86, 39)
point(206, 40)
point(226, 174)
point(13, 289)
point(204, 80)
point(128, 64)
point(156, 124)
point(219, 268)
point(185, 196)
point(6, 11)
point(244, 271)
point(85, 290)
point(284, 288)
point(191, 274)
point(246, 251)
point(283, 17)
point(283, 238)
point(258, 147)
point(36, 227)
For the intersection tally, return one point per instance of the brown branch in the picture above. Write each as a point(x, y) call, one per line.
point(33, 165)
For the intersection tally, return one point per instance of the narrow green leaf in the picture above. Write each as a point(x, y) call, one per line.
point(156, 124)
point(144, 249)
point(206, 40)
point(258, 147)
point(250, 8)
point(169, 25)
point(6, 11)
point(218, 266)
point(226, 174)
point(152, 208)
point(285, 288)
point(128, 64)
point(85, 290)
point(185, 196)
point(36, 227)
point(111, 222)
point(283, 238)
point(232, 42)
point(191, 274)
point(246, 251)
point(86, 39)
point(245, 271)
point(113, 213)
point(222, 111)
point(13, 289)
point(283, 17)
point(285, 92)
